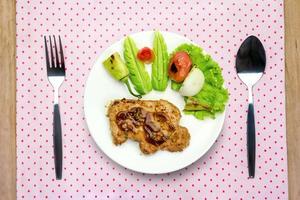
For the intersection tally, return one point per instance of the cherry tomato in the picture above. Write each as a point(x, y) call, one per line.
point(145, 55)
point(179, 66)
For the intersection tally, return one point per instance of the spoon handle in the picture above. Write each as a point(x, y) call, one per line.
point(251, 140)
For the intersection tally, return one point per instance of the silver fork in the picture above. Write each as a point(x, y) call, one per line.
point(56, 76)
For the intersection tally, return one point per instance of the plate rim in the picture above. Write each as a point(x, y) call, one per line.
point(174, 169)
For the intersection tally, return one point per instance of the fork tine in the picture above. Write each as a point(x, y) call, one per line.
point(47, 53)
point(56, 53)
point(51, 53)
point(62, 59)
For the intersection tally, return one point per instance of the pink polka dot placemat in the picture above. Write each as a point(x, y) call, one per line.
point(88, 27)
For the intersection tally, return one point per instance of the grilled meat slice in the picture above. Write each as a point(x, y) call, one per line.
point(152, 123)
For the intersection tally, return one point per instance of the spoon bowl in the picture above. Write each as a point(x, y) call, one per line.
point(251, 61)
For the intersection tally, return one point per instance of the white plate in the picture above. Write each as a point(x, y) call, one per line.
point(101, 88)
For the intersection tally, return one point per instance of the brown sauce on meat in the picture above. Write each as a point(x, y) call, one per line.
point(137, 117)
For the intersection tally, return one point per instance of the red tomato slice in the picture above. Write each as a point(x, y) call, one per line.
point(145, 55)
point(179, 66)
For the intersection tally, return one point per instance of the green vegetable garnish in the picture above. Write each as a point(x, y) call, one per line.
point(137, 72)
point(213, 96)
point(118, 70)
point(160, 64)
point(176, 86)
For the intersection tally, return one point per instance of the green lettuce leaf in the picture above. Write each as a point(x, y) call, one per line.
point(137, 72)
point(213, 96)
point(176, 86)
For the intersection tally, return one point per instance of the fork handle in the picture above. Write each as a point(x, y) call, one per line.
point(251, 141)
point(57, 143)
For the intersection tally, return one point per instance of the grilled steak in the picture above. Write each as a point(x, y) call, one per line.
point(154, 124)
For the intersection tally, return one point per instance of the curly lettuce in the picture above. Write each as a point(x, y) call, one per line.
point(213, 96)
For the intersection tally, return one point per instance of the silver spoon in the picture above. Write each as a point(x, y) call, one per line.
point(250, 66)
